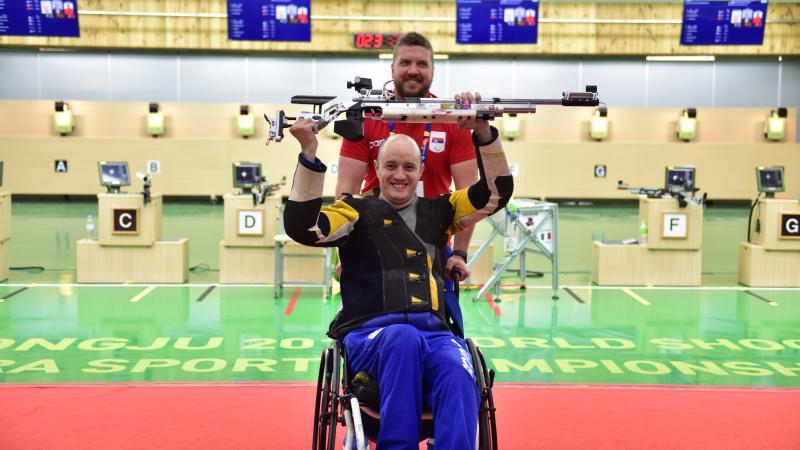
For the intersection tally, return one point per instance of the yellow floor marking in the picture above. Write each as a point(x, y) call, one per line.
point(142, 294)
point(636, 297)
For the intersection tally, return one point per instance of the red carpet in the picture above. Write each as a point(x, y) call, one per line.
point(278, 416)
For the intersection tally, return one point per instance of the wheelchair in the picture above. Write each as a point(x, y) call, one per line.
point(354, 402)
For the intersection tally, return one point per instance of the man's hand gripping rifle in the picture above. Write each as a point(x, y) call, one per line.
point(380, 105)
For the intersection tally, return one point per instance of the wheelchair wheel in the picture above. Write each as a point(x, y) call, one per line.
point(326, 406)
point(487, 425)
point(321, 405)
point(335, 380)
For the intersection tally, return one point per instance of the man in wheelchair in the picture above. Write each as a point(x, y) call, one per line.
point(393, 320)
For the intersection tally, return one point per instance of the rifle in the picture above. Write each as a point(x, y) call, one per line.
point(262, 190)
point(380, 104)
point(683, 197)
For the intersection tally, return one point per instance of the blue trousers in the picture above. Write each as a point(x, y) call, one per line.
point(413, 366)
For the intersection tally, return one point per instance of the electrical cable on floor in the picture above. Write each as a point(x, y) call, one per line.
point(28, 268)
point(202, 268)
point(750, 217)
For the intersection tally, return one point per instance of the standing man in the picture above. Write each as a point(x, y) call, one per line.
point(447, 151)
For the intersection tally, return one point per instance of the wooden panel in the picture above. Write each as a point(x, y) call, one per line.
point(554, 155)
point(636, 265)
point(246, 264)
point(764, 268)
point(483, 267)
point(546, 170)
point(105, 120)
point(4, 260)
point(5, 216)
point(768, 215)
point(5, 233)
point(257, 264)
point(166, 261)
point(651, 211)
point(128, 119)
point(303, 269)
point(628, 124)
point(725, 171)
point(271, 221)
point(149, 218)
point(335, 36)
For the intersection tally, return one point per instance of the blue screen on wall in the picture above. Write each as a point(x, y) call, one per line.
point(56, 18)
point(269, 20)
point(738, 22)
point(497, 21)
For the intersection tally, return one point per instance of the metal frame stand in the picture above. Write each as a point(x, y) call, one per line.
point(528, 237)
point(327, 276)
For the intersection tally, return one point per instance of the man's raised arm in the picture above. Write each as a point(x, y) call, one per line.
point(496, 185)
point(304, 218)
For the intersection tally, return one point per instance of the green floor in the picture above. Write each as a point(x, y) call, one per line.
point(53, 331)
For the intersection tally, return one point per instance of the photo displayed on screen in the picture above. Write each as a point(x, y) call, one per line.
point(114, 174)
point(246, 175)
point(680, 179)
point(269, 20)
point(770, 179)
point(57, 18)
point(496, 21)
point(736, 22)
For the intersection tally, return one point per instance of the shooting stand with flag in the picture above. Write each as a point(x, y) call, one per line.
point(528, 226)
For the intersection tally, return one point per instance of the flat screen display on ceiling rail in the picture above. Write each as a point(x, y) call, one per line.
point(497, 21)
point(269, 20)
point(738, 22)
point(56, 18)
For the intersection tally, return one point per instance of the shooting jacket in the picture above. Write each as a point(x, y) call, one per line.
point(387, 267)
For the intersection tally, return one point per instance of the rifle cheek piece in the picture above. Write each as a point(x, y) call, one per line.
point(351, 128)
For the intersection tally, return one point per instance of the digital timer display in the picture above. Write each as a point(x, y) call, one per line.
point(375, 40)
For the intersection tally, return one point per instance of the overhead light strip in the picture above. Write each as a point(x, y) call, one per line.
point(391, 56)
point(681, 58)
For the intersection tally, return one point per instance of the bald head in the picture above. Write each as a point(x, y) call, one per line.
point(398, 142)
point(399, 169)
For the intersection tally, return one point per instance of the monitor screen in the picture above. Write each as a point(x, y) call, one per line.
point(734, 22)
point(770, 179)
point(57, 18)
point(269, 20)
point(114, 173)
point(497, 21)
point(679, 179)
point(246, 174)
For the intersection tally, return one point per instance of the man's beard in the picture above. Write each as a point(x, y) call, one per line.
point(422, 91)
